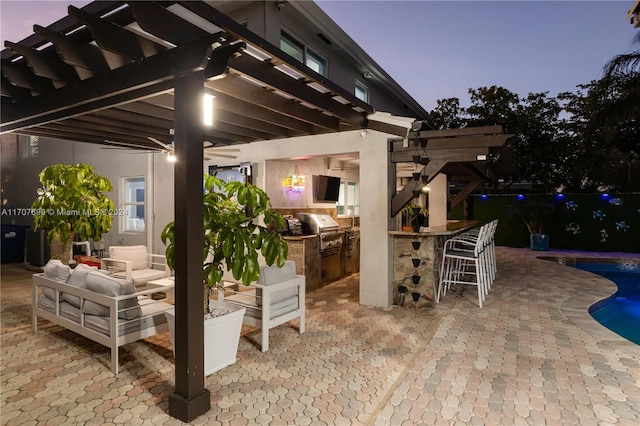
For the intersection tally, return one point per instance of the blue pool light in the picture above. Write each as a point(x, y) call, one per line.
point(604, 196)
point(484, 197)
point(560, 196)
point(520, 197)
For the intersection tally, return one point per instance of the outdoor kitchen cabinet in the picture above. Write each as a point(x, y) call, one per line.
point(304, 250)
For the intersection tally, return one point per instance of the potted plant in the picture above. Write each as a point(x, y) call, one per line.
point(72, 202)
point(233, 237)
point(413, 216)
point(534, 212)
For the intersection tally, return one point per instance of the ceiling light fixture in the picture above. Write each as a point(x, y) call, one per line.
point(207, 110)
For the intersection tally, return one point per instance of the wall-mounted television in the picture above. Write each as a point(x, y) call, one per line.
point(326, 188)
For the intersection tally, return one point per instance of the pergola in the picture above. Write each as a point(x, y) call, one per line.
point(117, 73)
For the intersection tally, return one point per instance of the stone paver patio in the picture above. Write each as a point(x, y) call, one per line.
point(532, 355)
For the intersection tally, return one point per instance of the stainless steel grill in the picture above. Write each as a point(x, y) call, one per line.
point(331, 238)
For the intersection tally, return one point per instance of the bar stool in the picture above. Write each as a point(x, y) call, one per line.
point(466, 257)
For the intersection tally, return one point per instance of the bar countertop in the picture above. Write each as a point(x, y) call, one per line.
point(298, 237)
point(452, 227)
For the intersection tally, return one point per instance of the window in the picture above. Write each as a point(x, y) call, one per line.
point(133, 204)
point(362, 92)
point(348, 201)
point(302, 53)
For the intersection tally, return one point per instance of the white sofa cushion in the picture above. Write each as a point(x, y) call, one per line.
point(77, 279)
point(137, 255)
point(57, 271)
point(110, 286)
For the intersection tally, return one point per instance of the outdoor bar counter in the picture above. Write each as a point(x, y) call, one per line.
point(416, 260)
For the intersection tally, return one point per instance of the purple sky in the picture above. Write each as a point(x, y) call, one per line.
point(440, 49)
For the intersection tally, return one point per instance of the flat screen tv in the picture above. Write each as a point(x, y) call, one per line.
point(327, 188)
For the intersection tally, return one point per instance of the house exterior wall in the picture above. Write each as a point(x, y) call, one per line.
point(264, 19)
point(112, 163)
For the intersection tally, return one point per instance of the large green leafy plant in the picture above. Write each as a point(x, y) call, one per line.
point(72, 202)
point(233, 236)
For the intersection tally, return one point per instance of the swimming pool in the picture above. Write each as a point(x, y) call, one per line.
point(619, 312)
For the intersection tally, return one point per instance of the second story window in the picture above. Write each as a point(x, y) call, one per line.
point(362, 92)
point(302, 53)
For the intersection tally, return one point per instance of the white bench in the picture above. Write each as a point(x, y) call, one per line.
point(113, 320)
point(276, 298)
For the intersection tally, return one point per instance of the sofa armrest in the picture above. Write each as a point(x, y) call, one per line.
point(118, 268)
point(158, 261)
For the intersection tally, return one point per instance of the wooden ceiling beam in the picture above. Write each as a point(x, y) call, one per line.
point(468, 189)
point(21, 75)
point(239, 31)
point(114, 38)
point(238, 119)
point(129, 117)
point(125, 84)
point(266, 73)
point(240, 88)
point(73, 53)
point(108, 135)
point(257, 112)
point(461, 155)
point(466, 131)
point(91, 119)
point(46, 64)
point(158, 21)
point(166, 101)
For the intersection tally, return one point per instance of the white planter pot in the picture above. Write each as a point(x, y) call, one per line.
point(221, 337)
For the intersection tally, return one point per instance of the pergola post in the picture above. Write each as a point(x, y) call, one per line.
point(190, 399)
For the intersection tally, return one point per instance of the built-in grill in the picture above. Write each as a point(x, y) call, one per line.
point(322, 224)
point(331, 241)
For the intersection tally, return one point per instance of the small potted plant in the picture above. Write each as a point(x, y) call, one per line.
point(233, 237)
point(413, 217)
point(534, 212)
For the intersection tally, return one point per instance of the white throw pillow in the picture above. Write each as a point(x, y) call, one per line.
point(137, 255)
point(56, 270)
point(77, 279)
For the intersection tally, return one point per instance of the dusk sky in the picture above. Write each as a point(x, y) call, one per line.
point(441, 49)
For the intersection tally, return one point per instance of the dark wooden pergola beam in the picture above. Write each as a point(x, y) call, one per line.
point(241, 89)
point(118, 125)
point(256, 111)
point(403, 197)
point(114, 38)
point(468, 189)
point(126, 117)
point(119, 86)
point(45, 64)
point(238, 119)
point(82, 55)
point(79, 132)
point(265, 72)
point(465, 131)
point(163, 24)
point(166, 101)
point(20, 75)
point(239, 31)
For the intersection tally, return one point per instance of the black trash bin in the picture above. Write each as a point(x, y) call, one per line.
point(12, 249)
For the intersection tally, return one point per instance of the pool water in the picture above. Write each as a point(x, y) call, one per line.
point(619, 312)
